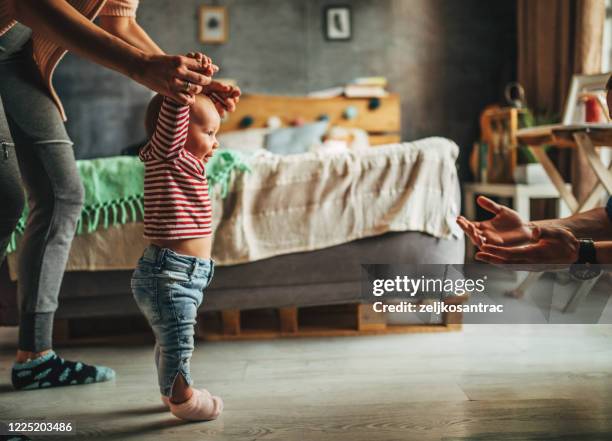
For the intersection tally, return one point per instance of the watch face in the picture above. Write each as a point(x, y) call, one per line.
point(584, 272)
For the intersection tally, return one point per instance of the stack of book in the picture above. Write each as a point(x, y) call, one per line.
point(365, 87)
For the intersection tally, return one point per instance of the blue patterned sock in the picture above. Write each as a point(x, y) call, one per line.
point(53, 371)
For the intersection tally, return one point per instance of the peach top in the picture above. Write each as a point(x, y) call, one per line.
point(48, 54)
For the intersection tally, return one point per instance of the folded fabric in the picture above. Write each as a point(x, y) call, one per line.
point(114, 192)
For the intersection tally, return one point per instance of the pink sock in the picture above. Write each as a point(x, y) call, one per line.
point(201, 406)
point(165, 400)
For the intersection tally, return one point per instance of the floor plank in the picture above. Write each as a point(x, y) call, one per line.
point(487, 383)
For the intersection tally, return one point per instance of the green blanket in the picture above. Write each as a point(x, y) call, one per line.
point(114, 192)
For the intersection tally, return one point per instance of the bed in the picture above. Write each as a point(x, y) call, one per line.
point(325, 214)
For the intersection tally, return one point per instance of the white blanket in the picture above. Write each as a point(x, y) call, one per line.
point(309, 201)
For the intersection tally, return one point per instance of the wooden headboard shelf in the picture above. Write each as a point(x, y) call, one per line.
point(383, 124)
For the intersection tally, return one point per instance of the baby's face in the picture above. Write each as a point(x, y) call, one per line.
point(204, 122)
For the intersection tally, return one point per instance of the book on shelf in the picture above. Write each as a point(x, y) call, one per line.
point(363, 87)
point(370, 81)
point(362, 91)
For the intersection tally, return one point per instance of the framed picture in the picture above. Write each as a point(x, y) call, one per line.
point(584, 84)
point(213, 23)
point(338, 23)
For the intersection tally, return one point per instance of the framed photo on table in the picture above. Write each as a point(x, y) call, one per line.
point(213, 24)
point(582, 85)
point(337, 23)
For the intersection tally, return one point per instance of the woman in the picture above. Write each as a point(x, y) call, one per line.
point(36, 152)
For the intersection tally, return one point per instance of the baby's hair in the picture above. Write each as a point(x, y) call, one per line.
point(152, 114)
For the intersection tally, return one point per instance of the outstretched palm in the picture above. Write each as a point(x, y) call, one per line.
point(504, 229)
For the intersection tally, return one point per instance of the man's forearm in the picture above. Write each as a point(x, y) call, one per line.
point(594, 224)
point(64, 25)
point(603, 251)
point(130, 31)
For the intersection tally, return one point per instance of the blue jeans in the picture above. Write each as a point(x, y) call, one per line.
point(168, 288)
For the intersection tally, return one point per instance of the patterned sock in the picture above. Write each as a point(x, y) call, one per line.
point(53, 371)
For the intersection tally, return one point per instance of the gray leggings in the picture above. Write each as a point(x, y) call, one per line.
point(36, 155)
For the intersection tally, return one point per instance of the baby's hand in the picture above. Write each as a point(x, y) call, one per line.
point(209, 68)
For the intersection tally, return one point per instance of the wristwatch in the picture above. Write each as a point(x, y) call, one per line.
point(585, 267)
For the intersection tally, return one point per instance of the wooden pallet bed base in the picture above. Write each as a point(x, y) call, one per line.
point(362, 320)
point(342, 320)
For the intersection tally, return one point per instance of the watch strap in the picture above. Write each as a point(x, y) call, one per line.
point(586, 252)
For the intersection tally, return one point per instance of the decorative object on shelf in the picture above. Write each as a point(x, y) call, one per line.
point(374, 103)
point(298, 122)
point(350, 112)
point(323, 117)
point(247, 121)
point(515, 95)
point(213, 24)
point(274, 122)
point(498, 127)
point(498, 153)
point(337, 23)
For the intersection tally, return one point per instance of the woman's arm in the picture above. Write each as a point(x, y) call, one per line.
point(61, 23)
point(224, 97)
point(128, 29)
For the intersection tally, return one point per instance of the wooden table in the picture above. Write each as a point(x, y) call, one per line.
point(584, 137)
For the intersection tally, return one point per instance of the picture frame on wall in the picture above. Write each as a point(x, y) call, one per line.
point(213, 24)
point(338, 23)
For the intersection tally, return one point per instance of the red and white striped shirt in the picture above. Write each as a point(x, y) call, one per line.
point(177, 204)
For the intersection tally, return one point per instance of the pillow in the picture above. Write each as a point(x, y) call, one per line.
point(361, 139)
point(244, 141)
point(331, 146)
point(356, 138)
point(292, 140)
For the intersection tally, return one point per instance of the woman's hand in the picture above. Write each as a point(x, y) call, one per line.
point(224, 96)
point(175, 76)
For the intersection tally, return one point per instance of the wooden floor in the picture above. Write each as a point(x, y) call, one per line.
point(497, 383)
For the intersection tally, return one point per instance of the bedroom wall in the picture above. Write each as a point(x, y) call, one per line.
point(446, 58)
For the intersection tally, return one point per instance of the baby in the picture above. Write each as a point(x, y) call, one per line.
point(176, 267)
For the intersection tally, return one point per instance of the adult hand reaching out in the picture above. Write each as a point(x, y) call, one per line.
point(505, 228)
point(551, 248)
